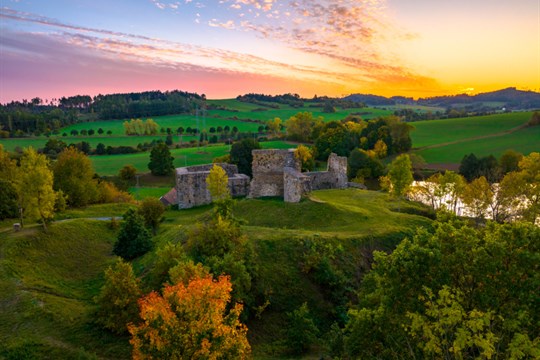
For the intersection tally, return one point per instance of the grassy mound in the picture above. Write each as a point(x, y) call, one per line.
point(306, 252)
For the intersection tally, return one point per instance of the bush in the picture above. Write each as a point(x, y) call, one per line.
point(134, 238)
point(301, 332)
point(151, 209)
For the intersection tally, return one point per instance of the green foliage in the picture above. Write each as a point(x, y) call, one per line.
point(168, 256)
point(134, 239)
point(8, 200)
point(151, 209)
point(400, 175)
point(509, 161)
point(492, 272)
point(117, 300)
point(215, 238)
point(161, 161)
point(300, 126)
point(185, 271)
point(35, 186)
point(337, 138)
point(360, 163)
point(73, 174)
point(301, 330)
point(241, 155)
point(448, 330)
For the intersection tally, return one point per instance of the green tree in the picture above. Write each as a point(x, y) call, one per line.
point(400, 175)
point(241, 155)
point(509, 161)
point(117, 299)
point(151, 209)
point(161, 161)
point(494, 269)
point(8, 167)
point(529, 175)
point(448, 331)
point(8, 200)
point(167, 257)
point(335, 137)
point(134, 239)
point(73, 174)
point(274, 126)
point(469, 167)
point(300, 126)
point(35, 187)
point(361, 164)
point(477, 195)
point(301, 331)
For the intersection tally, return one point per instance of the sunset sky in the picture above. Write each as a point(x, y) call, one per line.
point(224, 48)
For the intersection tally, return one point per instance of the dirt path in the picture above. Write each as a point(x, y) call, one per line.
point(502, 133)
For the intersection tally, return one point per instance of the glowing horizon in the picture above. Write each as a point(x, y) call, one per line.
point(224, 48)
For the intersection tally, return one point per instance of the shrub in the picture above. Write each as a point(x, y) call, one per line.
point(134, 238)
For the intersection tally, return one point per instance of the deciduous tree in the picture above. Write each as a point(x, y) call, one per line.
point(35, 186)
point(151, 209)
point(73, 174)
point(300, 126)
point(400, 176)
point(117, 300)
point(190, 322)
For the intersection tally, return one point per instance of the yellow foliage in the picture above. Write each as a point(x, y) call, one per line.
point(218, 183)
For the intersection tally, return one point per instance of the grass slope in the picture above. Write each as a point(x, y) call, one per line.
point(526, 140)
point(435, 132)
point(47, 281)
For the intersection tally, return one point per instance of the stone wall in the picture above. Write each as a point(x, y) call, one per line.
point(296, 185)
point(268, 167)
point(334, 178)
point(275, 173)
point(191, 187)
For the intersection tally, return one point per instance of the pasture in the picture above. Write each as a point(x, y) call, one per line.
point(433, 132)
point(525, 141)
point(110, 164)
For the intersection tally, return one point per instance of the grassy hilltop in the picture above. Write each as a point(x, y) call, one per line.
point(48, 280)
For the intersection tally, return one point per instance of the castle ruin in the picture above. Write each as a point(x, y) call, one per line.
point(275, 173)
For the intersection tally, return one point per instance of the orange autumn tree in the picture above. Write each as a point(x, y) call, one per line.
point(190, 322)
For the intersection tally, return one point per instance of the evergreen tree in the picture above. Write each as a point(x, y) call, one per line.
point(134, 238)
point(161, 161)
point(241, 155)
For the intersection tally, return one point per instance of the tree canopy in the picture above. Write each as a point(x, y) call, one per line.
point(161, 161)
point(190, 322)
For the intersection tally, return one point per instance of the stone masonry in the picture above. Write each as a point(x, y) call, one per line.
point(275, 173)
point(191, 184)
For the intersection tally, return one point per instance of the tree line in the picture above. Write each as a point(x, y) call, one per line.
point(23, 118)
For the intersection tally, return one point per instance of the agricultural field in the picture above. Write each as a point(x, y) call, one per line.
point(110, 164)
point(525, 140)
point(433, 132)
point(47, 293)
point(249, 111)
point(236, 116)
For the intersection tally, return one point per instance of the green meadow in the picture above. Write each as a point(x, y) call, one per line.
point(110, 164)
point(525, 140)
point(433, 132)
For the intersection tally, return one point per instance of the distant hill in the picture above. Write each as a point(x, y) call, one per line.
point(509, 98)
